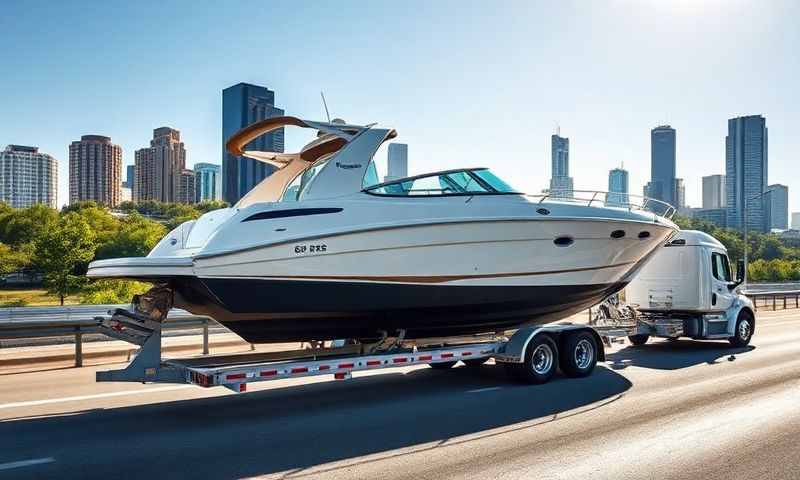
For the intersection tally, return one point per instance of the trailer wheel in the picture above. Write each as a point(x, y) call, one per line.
point(744, 330)
point(639, 339)
point(541, 361)
point(475, 362)
point(579, 354)
point(442, 365)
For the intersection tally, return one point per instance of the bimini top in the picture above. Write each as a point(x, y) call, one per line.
point(355, 144)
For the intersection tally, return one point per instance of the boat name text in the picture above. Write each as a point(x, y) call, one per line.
point(310, 248)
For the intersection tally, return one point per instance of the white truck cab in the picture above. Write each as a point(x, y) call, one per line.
point(687, 289)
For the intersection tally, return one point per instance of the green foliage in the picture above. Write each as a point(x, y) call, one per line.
point(24, 225)
point(61, 252)
point(12, 260)
point(112, 291)
point(135, 238)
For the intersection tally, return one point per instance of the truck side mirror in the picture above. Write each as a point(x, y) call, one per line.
point(739, 274)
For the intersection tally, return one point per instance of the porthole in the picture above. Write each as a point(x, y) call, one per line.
point(543, 211)
point(618, 234)
point(644, 234)
point(563, 241)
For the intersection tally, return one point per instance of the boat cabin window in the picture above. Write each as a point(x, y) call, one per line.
point(477, 181)
point(720, 267)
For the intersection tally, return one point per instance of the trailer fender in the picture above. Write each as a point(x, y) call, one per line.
point(514, 350)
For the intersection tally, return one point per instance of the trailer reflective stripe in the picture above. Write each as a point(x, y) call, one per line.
point(235, 376)
point(300, 370)
point(346, 365)
point(466, 354)
point(324, 367)
point(400, 360)
point(447, 355)
point(268, 373)
point(372, 363)
point(424, 358)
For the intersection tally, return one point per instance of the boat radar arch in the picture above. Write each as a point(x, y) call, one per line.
point(332, 138)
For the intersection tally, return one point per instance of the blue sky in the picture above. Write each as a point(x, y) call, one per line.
point(464, 83)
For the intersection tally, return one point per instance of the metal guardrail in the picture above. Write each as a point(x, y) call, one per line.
point(785, 298)
point(79, 320)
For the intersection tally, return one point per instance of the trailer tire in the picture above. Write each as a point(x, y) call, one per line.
point(475, 362)
point(638, 340)
point(540, 362)
point(578, 354)
point(442, 365)
point(744, 330)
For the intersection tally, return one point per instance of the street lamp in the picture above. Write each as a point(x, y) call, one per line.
point(744, 226)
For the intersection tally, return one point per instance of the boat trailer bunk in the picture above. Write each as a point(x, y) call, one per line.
point(531, 354)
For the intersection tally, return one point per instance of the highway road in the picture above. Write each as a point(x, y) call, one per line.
point(672, 410)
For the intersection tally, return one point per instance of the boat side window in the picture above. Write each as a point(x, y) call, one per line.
point(720, 267)
point(456, 182)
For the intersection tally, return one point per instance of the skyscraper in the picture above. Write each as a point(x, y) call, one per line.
point(680, 194)
point(776, 202)
point(617, 187)
point(796, 220)
point(208, 182)
point(159, 166)
point(662, 184)
point(244, 104)
point(185, 192)
point(560, 182)
point(130, 177)
point(714, 191)
point(95, 170)
point(397, 162)
point(27, 177)
point(746, 162)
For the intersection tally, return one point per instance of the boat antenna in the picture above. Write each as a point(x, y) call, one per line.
point(325, 104)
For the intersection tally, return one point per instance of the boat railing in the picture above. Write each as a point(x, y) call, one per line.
point(608, 199)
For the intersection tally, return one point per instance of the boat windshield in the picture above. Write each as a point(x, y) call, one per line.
point(475, 181)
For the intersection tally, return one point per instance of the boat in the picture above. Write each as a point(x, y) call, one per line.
point(321, 249)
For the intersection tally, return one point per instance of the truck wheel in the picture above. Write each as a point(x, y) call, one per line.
point(442, 365)
point(744, 330)
point(541, 361)
point(579, 354)
point(475, 362)
point(639, 339)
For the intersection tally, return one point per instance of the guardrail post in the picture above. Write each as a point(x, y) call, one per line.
point(784, 302)
point(205, 336)
point(78, 347)
point(774, 302)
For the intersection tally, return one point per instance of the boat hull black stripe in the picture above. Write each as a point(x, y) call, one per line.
point(292, 212)
point(263, 311)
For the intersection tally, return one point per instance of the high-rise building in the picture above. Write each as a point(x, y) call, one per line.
point(617, 187)
point(397, 162)
point(244, 104)
point(746, 162)
point(776, 201)
point(208, 182)
point(716, 216)
point(560, 182)
point(159, 166)
point(714, 191)
point(796, 220)
point(185, 192)
point(680, 194)
point(27, 177)
point(95, 170)
point(130, 177)
point(662, 184)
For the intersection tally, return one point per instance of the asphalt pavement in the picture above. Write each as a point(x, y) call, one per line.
point(673, 410)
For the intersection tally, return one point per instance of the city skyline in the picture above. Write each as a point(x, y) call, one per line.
point(406, 92)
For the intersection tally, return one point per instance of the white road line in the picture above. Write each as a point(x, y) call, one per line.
point(48, 401)
point(487, 389)
point(26, 463)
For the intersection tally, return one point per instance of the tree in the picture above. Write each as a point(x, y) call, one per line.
point(771, 248)
point(63, 250)
point(135, 238)
point(24, 225)
point(11, 261)
point(112, 291)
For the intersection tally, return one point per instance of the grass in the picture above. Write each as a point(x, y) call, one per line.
point(31, 297)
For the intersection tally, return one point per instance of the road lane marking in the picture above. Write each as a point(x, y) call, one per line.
point(33, 403)
point(487, 389)
point(26, 463)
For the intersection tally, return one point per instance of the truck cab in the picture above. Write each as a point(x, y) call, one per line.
point(688, 290)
